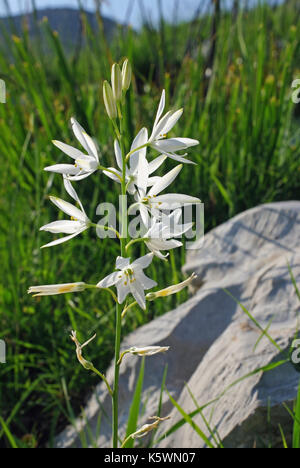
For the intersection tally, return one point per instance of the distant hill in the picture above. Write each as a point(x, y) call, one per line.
point(66, 21)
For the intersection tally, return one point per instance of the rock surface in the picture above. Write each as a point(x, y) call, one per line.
point(214, 343)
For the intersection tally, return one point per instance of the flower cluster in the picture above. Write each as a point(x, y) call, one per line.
point(159, 213)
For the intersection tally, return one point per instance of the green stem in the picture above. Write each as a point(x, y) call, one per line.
point(134, 151)
point(134, 241)
point(102, 168)
point(106, 228)
point(123, 241)
point(93, 369)
point(125, 441)
point(127, 308)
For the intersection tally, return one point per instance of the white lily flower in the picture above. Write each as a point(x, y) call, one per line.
point(53, 289)
point(85, 164)
point(79, 221)
point(161, 234)
point(131, 171)
point(130, 279)
point(151, 201)
point(162, 126)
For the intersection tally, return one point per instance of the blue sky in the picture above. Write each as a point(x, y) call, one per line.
point(117, 9)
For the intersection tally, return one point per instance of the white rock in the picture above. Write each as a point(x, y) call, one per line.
point(212, 341)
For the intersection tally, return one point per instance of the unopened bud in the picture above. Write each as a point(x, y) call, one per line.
point(52, 289)
point(126, 75)
point(116, 81)
point(109, 101)
point(171, 289)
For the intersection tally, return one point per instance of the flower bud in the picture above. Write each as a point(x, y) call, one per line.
point(126, 75)
point(171, 289)
point(53, 289)
point(148, 350)
point(144, 351)
point(148, 427)
point(109, 101)
point(116, 81)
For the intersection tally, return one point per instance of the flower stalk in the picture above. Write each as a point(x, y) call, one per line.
point(136, 177)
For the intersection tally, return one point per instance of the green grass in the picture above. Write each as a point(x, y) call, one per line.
point(248, 154)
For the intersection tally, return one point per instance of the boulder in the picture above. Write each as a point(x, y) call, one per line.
point(213, 343)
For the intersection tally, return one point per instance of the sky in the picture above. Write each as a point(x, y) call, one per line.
point(119, 9)
point(115, 9)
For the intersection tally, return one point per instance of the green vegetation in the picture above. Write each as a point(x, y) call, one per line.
point(237, 101)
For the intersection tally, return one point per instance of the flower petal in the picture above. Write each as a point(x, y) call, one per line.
point(177, 157)
point(72, 192)
point(68, 169)
point(67, 149)
point(140, 140)
point(172, 201)
point(88, 164)
point(63, 226)
point(146, 282)
point(109, 280)
point(63, 239)
point(161, 107)
point(165, 181)
point(143, 262)
point(138, 293)
point(83, 175)
point(69, 209)
point(163, 244)
point(122, 263)
point(156, 163)
point(123, 290)
point(144, 215)
point(157, 132)
point(175, 144)
point(171, 121)
point(84, 139)
point(142, 176)
point(118, 155)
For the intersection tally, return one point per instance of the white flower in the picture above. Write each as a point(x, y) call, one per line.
point(130, 279)
point(53, 289)
point(79, 221)
point(162, 126)
point(161, 234)
point(171, 289)
point(151, 201)
point(131, 171)
point(85, 164)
